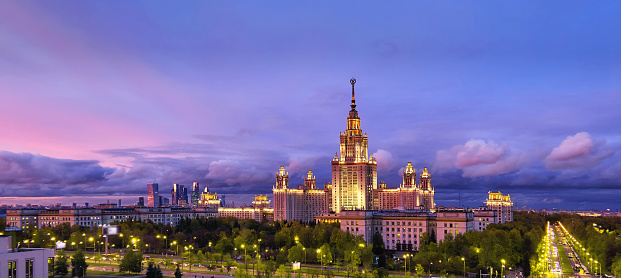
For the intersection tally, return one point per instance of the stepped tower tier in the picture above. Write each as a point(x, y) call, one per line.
point(409, 176)
point(354, 173)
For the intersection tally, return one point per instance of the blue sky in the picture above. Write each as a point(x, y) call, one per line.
point(100, 98)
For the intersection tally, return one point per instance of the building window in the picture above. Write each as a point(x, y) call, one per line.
point(12, 269)
point(29, 268)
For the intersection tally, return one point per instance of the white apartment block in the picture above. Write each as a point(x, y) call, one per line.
point(24, 262)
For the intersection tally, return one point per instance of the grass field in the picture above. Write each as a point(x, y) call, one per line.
point(565, 264)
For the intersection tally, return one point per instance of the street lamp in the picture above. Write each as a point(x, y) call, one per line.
point(166, 240)
point(600, 268)
point(429, 270)
point(304, 254)
point(321, 259)
point(464, 260)
point(175, 243)
point(84, 235)
point(405, 265)
point(502, 271)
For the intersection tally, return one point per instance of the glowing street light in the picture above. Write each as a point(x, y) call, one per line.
point(166, 241)
point(502, 271)
point(175, 243)
point(464, 260)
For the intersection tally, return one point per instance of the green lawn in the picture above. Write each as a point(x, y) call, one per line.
point(565, 264)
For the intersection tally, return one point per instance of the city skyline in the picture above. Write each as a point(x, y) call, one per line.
point(108, 97)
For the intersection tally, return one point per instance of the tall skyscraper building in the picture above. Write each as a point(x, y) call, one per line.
point(195, 195)
point(354, 173)
point(153, 199)
point(179, 195)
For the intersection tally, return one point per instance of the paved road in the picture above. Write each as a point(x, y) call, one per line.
point(186, 274)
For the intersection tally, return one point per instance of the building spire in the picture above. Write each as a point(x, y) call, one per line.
point(353, 95)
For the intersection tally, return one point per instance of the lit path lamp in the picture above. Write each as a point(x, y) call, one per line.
point(464, 260)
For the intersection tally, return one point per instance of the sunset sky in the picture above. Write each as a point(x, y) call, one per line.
point(99, 98)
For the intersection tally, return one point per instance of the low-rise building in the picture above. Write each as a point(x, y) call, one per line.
point(483, 217)
point(24, 262)
point(401, 230)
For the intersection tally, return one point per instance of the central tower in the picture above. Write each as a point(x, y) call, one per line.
point(354, 173)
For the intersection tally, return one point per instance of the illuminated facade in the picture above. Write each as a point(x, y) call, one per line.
point(153, 197)
point(303, 203)
point(195, 194)
point(260, 210)
point(401, 230)
point(353, 182)
point(502, 205)
point(89, 217)
point(209, 200)
point(354, 172)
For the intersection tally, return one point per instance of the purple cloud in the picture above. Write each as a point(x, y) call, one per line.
point(24, 174)
point(479, 158)
point(578, 151)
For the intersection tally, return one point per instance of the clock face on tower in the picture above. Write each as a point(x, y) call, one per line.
point(279, 178)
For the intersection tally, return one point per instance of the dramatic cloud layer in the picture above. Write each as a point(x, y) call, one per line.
point(578, 151)
point(24, 174)
point(479, 158)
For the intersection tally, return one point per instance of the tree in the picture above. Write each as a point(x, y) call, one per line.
point(420, 270)
point(325, 257)
point(228, 263)
point(178, 273)
point(61, 268)
point(352, 260)
point(158, 273)
point(282, 270)
point(131, 262)
point(151, 271)
point(296, 253)
point(78, 262)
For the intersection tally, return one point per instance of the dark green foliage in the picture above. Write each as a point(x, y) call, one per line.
point(61, 267)
point(151, 271)
point(78, 262)
point(178, 272)
point(131, 262)
point(158, 273)
point(515, 242)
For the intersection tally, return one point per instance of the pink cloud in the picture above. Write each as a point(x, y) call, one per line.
point(479, 158)
point(385, 160)
point(476, 152)
point(578, 151)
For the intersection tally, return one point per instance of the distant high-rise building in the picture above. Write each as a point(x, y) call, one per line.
point(119, 203)
point(195, 195)
point(140, 202)
point(153, 199)
point(179, 195)
point(164, 202)
point(502, 205)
